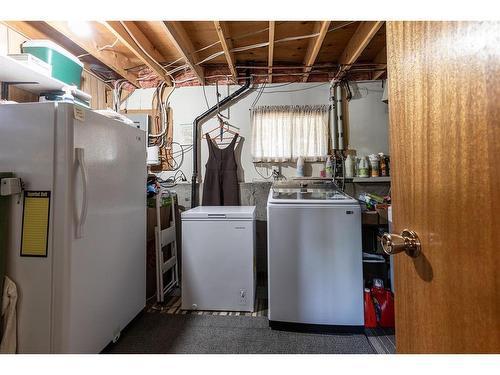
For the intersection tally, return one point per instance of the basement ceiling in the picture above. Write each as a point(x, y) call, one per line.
point(204, 52)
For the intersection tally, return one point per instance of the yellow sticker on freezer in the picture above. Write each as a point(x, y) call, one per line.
point(35, 235)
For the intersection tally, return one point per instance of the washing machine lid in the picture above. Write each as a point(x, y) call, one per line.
point(220, 213)
point(309, 196)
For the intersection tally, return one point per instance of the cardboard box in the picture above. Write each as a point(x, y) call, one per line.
point(370, 218)
point(382, 212)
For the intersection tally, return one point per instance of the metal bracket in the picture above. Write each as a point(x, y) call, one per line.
point(10, 186)
point(5, 87)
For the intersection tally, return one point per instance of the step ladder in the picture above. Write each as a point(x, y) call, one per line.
point(164, 238)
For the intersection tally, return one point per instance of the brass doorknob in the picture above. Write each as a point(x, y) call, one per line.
point(408, 242)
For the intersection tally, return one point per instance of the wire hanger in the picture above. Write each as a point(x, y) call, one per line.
point(223, 127)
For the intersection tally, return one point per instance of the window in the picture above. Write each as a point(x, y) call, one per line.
point(283, 133)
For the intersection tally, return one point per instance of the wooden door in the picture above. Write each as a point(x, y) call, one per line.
point(444, 103)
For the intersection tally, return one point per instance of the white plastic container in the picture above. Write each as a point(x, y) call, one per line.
point(363, 167)
point(329, 167)
point(33, 63)
point(300, 166)
point(349, 166)
point(153, 157)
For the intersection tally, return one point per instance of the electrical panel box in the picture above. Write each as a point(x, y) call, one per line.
point(141, 121)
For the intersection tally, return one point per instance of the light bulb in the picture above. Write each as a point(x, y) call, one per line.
point(80, 28)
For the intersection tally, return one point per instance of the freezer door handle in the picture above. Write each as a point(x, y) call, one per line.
point(80, 160)
point(222, 216)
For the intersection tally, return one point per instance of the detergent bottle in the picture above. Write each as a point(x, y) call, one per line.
point(329, 167)
point(300, 167)
point(349, 167)
point(363, 167)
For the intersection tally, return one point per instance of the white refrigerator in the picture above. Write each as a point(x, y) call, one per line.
point(82, 283)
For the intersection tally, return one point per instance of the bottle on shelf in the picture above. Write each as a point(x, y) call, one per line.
point(383, 165)
point(300, 167)
point(329, 167)
point(374, 163)
point(349, 166)
point(363, 167)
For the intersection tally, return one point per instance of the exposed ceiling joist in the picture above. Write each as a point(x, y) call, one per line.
point(184, 46)
point(270, 56)
point(107, 57)
point(223, 34)
point(134, 39)
point(314, 47)
point(26, 29)
point(358, 42)
point(381, 59)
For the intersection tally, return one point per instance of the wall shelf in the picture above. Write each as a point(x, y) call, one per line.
point(12, 70)
point(369, 179)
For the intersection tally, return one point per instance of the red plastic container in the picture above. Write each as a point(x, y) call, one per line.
point(370, 316)
point(384, 300)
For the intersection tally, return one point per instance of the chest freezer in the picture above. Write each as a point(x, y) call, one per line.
point(218, 258)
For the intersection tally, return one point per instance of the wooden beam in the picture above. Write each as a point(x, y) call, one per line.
point(314, 47)
point(107, 57)
point(134, 39)
point(358, 42)
point(381, 59)
point(223, 34)
point(184, 46)
point(25, 29)
point(270, 57)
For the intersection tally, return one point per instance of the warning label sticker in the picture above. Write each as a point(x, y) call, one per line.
point(35, 234)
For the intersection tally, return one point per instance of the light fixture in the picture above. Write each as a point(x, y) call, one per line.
point(80, 28)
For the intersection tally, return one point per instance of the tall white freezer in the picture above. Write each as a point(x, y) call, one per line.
point(218, 258)
point(89, 281)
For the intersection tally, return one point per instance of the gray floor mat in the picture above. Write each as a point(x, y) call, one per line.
point(197, 334)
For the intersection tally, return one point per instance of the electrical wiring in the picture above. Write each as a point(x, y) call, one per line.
point(172, 162)
point(186, 80)
point(117, 93)
point(205, 95)
point(178, 68)
point(172, 181)
point(303, 89)
point(173, 62)
point(345, 84)
point(211, 57)
point(258, 95)
point(162, 105)
point(264, 177)
point(141, 47)
point(260, 45)
point(108, 45)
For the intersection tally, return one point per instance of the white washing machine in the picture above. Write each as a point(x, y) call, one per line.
point(315, 268)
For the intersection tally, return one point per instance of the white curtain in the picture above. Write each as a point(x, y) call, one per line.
point(283, 133)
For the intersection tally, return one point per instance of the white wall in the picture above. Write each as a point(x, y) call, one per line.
point(367, 118)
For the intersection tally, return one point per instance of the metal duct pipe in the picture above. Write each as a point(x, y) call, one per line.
point(223, 104)
point(340, 122)
point(333, 116)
